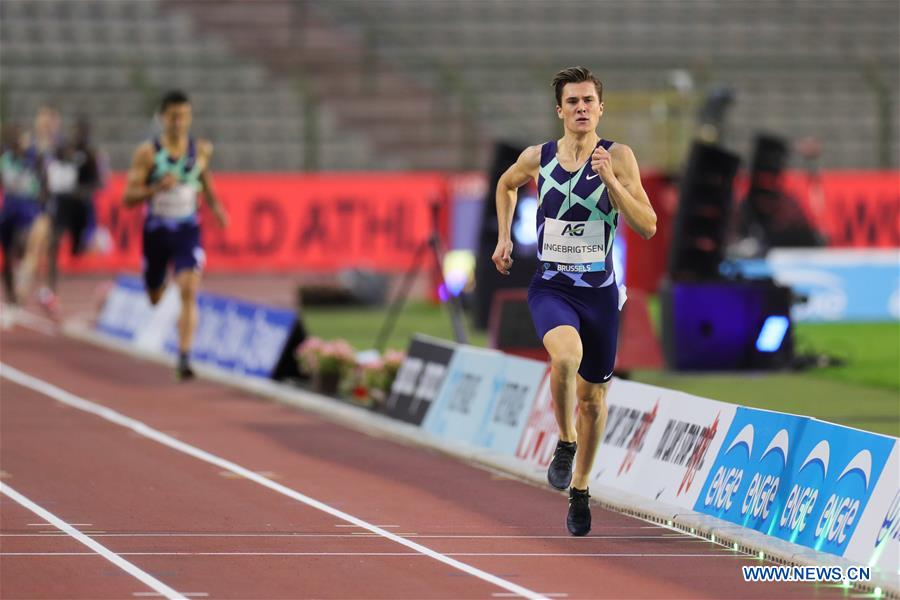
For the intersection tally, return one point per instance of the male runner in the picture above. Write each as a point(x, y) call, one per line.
point(74, 175)
point(584, 183)
point(22, 219)
point(41, 144)
point(167, 174)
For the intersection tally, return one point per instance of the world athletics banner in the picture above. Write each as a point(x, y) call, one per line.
point(286, 222)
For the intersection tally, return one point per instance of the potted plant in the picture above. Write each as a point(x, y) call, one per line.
point(375, 378)
point(327, 362)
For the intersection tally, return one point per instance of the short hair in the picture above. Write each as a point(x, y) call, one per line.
point(575, 75)
point(173, 97)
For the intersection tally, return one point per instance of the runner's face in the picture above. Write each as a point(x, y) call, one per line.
point(46, 122)
point(176, 120)
point(581, 109)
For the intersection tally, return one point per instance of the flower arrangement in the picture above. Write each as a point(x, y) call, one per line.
point(335, 368)
point(328, 362)
point(375, 378)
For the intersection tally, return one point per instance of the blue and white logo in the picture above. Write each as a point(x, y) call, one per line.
point(126, 309)
point(238, 336)
point(840, 284)
point(841, 466)
point(794, 478)
point(515, 385)
point(746, 482)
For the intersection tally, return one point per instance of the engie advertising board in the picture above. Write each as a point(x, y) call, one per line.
point(796, 478)
point(876, 540)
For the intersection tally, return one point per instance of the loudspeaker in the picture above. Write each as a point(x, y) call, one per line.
point(726, 325)
point(703, 213)
point(525, 262)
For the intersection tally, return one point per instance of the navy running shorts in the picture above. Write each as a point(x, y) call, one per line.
point(179, 247)
point(16, 218)
point(593, 312)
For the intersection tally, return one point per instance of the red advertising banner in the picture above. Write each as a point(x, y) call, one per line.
point(286, 222)
point(852, 208)
point(291, 222)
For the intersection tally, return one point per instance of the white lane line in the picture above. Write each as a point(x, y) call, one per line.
point(356, 535)
point(508, 595)
point(48, 524)
point(98, 548)
point(156, 595)
point(382, 526)
point(723, 554)
point(140, 428)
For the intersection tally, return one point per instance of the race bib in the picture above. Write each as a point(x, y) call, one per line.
point(179, 202)
point(62, 177)
point(574, 242)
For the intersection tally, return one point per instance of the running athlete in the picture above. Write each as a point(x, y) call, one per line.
point(22, 221)
point(167, 174)
point(584, 184)
point(42, 143)
point(74, 175)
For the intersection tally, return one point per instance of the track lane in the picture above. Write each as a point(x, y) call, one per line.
point(419, 490)
point(102, 476)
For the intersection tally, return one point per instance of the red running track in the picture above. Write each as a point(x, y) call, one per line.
point(208, 533)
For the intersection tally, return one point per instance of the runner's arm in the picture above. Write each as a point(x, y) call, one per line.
point(517, 175)
point(627, 194)
point(209, 192)
point(136, 188)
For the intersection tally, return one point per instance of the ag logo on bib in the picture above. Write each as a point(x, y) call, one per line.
point(574, 229)
point(560, 246)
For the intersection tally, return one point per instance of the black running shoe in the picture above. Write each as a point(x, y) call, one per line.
point(559, 474)
point(579, 519)
point(184, 371)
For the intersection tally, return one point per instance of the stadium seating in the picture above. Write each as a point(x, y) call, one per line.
point(407, 84)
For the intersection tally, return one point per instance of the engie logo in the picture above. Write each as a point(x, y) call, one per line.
point(794, 478)
point(745, 479)
point(839, 467)
point(574, 229)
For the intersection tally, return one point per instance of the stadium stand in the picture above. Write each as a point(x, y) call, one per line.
point(404, 84)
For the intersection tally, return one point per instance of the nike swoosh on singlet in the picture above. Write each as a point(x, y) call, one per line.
point(589, 177)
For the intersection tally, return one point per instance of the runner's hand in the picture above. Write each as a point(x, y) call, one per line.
point(503, 257)
point(221, 217)
point(167, 182)
point(601, 164)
